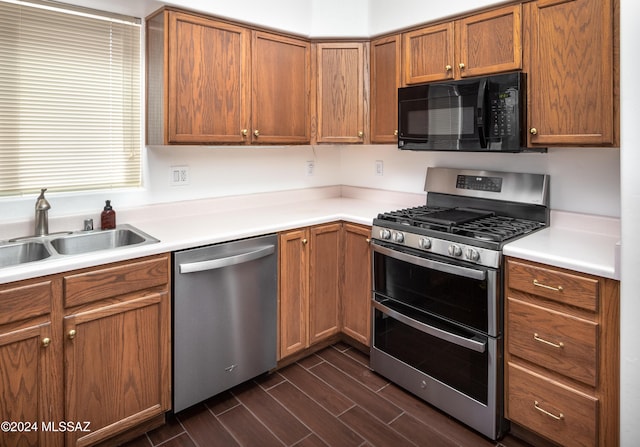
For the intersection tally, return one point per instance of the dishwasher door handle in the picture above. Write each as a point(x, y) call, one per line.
point(219, 263)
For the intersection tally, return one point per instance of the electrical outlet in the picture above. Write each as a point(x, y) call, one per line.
point(311, 166)
point(179, 175)
point(379, 167)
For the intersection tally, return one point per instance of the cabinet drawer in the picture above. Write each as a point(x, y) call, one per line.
point(560, 413)
point(116, 280)
point(25, 301)
point(554, 340)
point(560, 286)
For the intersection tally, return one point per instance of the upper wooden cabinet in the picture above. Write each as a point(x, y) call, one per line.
point(572, 72)
point(280, 99)
point(385, 79)
point(201, 89)
point(486, 43)
point(207, 75)
point(341, 95)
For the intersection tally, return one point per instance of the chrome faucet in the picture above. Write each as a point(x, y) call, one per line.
point(42, 217)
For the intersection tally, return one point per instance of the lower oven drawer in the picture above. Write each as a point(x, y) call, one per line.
point(557, 412)
point(559, 341)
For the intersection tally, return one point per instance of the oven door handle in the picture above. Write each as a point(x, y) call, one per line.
point(469, 343)
point(432, 264)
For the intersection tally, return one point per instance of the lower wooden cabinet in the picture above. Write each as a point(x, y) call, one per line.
point(356, 283)
point(308, 287)
point(30, 365)
point(324, 287)
point(562, 354)
point(90, 347)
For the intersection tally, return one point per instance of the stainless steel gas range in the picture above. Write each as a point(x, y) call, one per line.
point(437, 288)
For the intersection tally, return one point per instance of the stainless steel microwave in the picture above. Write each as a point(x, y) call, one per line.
point(474, 115)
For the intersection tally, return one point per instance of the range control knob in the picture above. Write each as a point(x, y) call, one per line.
point(454, 250)
point(424, 243)
point(398, 237)
point(385, 234)
point(472, 254)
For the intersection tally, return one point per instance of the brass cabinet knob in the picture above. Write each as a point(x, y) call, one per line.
point(256, 133)
point(244, 132)
point(304, 241)
point(533, 131)
point(448, 67)
point(368, 240)
point(395, 133)
point(46, 342)
point(461, 65)
point(72, 334)
point(360, 134)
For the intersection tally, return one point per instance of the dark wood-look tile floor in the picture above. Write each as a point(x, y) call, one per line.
point(330, 398)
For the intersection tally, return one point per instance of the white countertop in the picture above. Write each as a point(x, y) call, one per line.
point(191, 224)
point(583, 243)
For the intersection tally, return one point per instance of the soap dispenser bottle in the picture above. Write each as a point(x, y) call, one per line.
point(108, 217)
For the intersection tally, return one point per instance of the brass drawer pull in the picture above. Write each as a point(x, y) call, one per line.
point(46, 342)
point(558, 345)
point(544, 286)
point(559, 417)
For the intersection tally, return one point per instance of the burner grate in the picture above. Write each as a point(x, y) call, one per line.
point(497, 228)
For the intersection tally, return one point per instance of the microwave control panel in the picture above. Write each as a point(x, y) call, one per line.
point(504, 113)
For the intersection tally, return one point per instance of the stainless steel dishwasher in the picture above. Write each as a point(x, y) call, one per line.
point(224, 317)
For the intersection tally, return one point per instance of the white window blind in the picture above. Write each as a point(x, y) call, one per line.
point(69, 100)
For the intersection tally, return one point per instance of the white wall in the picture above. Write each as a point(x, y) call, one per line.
point(630, 180)
point(584, 180)
point(391, 15)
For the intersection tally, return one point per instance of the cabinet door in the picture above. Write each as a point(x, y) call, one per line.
point(571, 73)
point(293, 303)
point(117, 366)
point(490, 42)
point(340, 92)
point(385, 80)
point(324, 281)
point(29, 362)
point(428, 54)
point(356, 283)
point(27, 386)
point(208, 78)
point(280, 108)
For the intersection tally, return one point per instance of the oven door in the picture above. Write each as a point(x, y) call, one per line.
point(457, 293)
point(459, 372)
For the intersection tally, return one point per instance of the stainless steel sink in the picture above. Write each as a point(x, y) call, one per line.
point(15, 253)
point(38, 248)
point(86, 242)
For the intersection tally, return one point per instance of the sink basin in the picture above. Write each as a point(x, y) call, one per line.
point(79, 243)
point(56, 245)
point(15, 253)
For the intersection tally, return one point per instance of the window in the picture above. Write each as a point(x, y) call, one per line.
point(69, 99)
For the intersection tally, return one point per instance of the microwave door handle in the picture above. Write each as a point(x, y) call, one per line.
point(483, 114)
